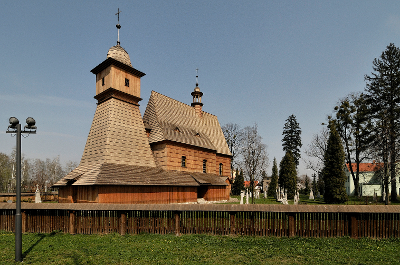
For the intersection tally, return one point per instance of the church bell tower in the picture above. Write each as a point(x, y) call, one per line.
point(117, 134)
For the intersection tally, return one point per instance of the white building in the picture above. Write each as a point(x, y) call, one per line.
point(370, 180)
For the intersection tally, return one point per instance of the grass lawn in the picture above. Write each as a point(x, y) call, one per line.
point(304, 200)
point(59, 248)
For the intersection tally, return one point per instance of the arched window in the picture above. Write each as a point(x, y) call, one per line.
point(221, 169)
point(204, 166)
point(183, 161)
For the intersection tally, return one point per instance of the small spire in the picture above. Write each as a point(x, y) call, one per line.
point(118, 25)
point(197, 77)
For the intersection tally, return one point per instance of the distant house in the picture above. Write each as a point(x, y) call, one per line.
point(265, 182)
point(370, 179)
point(247, 184)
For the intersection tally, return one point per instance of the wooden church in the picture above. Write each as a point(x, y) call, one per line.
point(175, 153)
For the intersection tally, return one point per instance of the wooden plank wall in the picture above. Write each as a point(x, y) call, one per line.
point(128, 194)
point(280, 224)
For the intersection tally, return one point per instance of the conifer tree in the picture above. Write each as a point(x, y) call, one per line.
point(333, 172)
point(314, 184)
point(238, 184)
point(274, 180)
point(306, 185)
point(383, 97)
point(288, 175)
point(291, 138)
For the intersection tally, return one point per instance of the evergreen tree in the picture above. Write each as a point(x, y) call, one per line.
point(306, 185)
point(291, 138)
point(274, 180)
point(320, 184)
point(238, 184)
point(288, 175)
point(383, 98)
point(354, 127)
point(333, 172)
point(314, 184)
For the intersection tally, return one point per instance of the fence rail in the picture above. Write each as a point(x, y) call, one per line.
point(261, 220)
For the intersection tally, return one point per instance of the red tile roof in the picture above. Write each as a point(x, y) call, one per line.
point(365, 167)
point(247, 183)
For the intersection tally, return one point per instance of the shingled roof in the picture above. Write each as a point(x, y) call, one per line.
point(117, 174)
point(175, 121)
point(117, 136)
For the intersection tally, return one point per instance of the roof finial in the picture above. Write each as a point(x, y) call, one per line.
point(197, 77)
point(118, 25)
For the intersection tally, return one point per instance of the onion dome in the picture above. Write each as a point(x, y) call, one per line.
point(118, 53)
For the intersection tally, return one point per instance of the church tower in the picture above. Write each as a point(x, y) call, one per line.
point(117, 134)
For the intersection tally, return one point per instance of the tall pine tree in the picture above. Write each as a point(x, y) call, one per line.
point(274, 180)
point(291, 138)
point(288, 175)
point(383, 97)
point(333, 172)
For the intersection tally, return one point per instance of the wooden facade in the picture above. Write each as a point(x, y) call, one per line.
point(169, 155)
point(127, 194)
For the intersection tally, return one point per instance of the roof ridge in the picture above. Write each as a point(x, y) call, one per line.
point(182, 103)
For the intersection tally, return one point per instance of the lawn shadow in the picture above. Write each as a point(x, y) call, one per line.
point(41, 236)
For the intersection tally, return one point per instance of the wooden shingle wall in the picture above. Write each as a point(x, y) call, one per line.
point(117, 136)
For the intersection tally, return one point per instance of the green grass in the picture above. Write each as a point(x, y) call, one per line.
point(58, 248)
point(304, 200)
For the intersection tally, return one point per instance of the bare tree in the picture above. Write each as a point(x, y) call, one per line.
point(316, 150)
point(233, 135)
point(254, 156)
point(69, 166)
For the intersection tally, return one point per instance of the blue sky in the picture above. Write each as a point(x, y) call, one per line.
point(259, 61)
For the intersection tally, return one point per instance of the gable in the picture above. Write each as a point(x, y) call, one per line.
point(175, 121)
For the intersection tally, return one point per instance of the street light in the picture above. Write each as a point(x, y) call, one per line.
point(30, 128)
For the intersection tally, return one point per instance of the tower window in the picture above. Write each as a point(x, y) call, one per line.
point(102, 81)
point(183, 161)
point(127, 82)
point(221, 168)
point(204, 166)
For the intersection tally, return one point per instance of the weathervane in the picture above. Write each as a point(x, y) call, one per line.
point(118, 25)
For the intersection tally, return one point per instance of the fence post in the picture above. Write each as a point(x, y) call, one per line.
point(233, 222)
point(353, 226)
point(177, 224)
point(292, 225)
point(24, 221)
point(72, 222)
point(122, 223)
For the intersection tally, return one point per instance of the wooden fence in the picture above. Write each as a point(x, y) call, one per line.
point(261, 220)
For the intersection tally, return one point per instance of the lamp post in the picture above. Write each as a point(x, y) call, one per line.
point(30, 128)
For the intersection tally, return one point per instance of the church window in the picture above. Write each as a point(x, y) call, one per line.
point(204, 166)
point(127, 82)
point(183, 161)
point(221, 168)
point(102, 81)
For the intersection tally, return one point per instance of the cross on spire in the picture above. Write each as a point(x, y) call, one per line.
point(118, 14)
point(197, 77)
point(118, 25)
